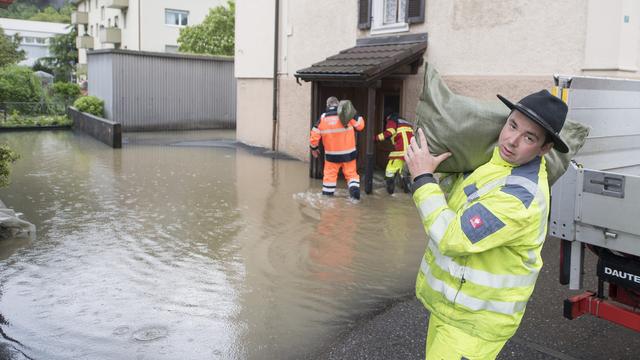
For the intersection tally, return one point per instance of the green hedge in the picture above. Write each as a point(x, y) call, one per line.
point(90, 104)
point(17, 120)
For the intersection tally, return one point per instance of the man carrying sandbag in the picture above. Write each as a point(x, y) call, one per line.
point(401, 132)
point(483, 257)
point(338, 137)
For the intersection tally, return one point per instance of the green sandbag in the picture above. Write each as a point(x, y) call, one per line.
point(346, 112)
point(469, 129)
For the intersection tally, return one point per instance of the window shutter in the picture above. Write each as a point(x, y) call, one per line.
point(415, 11)
point(364, 14)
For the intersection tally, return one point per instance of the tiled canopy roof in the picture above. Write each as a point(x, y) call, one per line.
point(369, 60)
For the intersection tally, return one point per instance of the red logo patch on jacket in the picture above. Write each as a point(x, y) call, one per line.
point(476, 221)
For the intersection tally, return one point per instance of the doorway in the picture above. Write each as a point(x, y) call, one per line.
point(388, 100)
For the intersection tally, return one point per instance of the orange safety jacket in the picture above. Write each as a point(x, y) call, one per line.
point(400, 132)
point(339, 141)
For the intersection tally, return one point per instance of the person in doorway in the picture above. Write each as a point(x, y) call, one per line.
point(401, 132)
point(339, 148)
point(486, 234)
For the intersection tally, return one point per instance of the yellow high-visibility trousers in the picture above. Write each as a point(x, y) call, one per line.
point(447, 342)
point(394, 166)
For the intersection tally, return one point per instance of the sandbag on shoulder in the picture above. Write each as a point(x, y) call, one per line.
point(469, 128)
point(346, 112)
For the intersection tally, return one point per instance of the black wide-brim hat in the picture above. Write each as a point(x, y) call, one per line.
point(545, 110)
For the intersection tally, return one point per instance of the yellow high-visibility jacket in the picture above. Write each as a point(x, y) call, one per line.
point(483, 256)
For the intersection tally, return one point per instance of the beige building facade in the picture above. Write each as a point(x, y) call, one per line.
point(146, 25)
point(481, 48)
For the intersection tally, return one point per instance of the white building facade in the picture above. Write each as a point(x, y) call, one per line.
point(481, 48)
point(145, 25)
point(36, 36)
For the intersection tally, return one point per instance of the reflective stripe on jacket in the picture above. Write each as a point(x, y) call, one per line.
point(483, 257)
point(339, 142)
point(400, 133)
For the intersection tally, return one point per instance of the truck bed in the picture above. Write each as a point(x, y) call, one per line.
point(597, 200)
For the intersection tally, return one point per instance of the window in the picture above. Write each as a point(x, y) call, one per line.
point(41, 40)
point(28, 40)
point(91, 30)
point(394, 11)
point(386, 16)
point(109, 22)
point(389, 16)
point(176, 17)
point(115, 21)
point(102, 13)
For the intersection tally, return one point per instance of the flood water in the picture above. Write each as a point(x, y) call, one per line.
point(187, 246)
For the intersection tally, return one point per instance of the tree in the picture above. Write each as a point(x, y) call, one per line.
point(64, 55)
point(40, 66)
point(19, 84)
point(19, 10)
point(38, 11)
point(9, 53)
point(52, 15)
point(214, 36)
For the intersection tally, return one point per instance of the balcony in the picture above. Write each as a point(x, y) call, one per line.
point(110, 35)
point(117, 4)
point(84, 42)
point(80, 18)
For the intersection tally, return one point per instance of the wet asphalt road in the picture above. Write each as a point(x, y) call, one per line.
point(398, 332)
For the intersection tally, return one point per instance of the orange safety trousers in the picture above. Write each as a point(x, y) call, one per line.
point(330, 178)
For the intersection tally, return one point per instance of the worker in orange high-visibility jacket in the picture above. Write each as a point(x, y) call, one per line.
point(400, 131)
point(339, 148)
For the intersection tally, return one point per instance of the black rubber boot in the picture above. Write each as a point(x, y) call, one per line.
point(354, 192)
point(391, 184)
point(406, 184)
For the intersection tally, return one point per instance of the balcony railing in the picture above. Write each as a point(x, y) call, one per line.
point(117, 4)
point(110, 35)
point(84, 42)
point(80, 18)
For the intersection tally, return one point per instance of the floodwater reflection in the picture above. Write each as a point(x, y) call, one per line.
point(184, 245)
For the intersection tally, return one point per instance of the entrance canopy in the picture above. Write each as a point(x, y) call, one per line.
point(360, 74)
point(370, 60)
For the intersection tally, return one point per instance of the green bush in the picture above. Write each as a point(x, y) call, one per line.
point(7, 157)
point(90, 104)
point(19, 84)
point(65, 92)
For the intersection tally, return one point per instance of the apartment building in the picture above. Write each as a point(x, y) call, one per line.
point(292, 54)
point(145, 25)
point(35, 36)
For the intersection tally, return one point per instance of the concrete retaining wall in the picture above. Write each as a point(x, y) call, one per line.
point(108, 132)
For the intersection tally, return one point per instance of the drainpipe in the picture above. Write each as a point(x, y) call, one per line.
point(275, 75)
point(139, 28)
